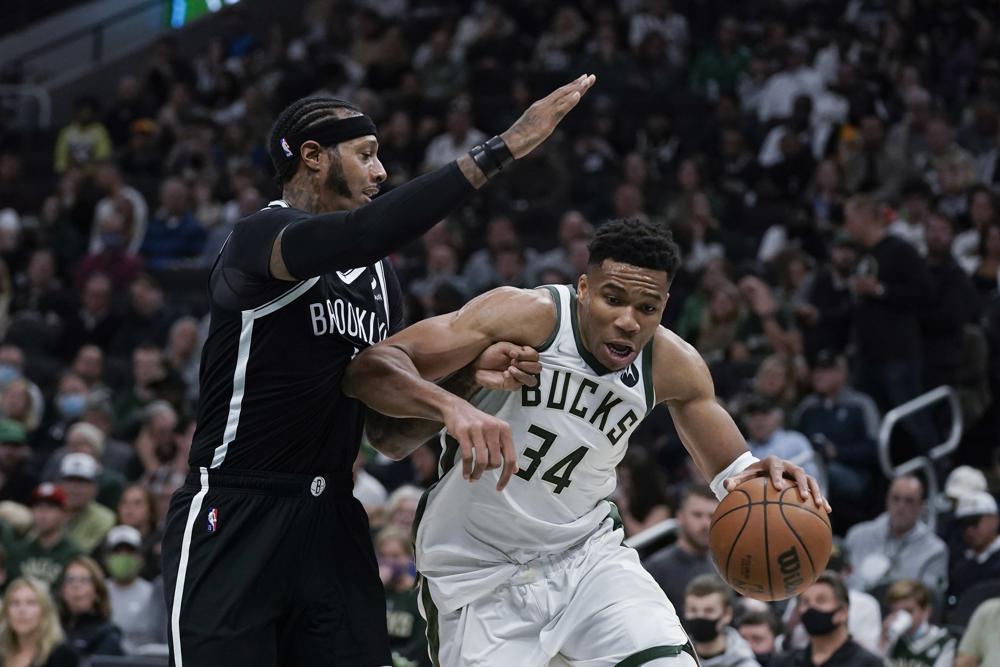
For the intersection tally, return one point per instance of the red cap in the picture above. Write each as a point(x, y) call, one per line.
point(49, 493)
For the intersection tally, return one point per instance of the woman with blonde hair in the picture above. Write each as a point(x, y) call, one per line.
point(30, 634)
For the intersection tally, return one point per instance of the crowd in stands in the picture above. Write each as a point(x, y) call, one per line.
point(831, 171)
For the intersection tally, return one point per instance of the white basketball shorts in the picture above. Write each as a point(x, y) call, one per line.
point(593, 606)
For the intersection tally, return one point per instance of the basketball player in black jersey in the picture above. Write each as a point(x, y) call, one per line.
point(267, 557)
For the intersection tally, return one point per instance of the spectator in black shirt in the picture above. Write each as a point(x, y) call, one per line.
point(18, 480)
point(826, 318)
point(890, 286)
point(952, 304)
point(824, 607)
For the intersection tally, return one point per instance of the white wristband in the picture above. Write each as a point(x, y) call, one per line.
point(742, 462)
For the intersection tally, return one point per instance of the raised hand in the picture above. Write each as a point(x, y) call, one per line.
point(537, 123)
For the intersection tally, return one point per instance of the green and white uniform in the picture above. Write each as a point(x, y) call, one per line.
point(544, 558)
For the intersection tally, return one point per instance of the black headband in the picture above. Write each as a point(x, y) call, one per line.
point(330, 133)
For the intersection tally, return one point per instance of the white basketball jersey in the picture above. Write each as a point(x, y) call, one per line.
point(570, 432)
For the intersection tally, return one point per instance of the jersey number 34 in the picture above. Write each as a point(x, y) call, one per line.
point(560, 472)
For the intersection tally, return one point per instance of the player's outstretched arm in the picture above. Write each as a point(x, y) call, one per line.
point(708, 432)
point(347, 239)
point(396, 377)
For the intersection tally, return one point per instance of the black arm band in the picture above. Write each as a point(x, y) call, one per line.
point(351, 239)
point(491, 156)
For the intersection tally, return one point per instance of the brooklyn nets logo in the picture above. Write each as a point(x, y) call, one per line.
point(630, 376)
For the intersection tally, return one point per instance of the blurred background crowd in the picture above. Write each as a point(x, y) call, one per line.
point(831, 171)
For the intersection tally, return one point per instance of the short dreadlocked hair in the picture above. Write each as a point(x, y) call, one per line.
point(297, 119)
point(636, 242)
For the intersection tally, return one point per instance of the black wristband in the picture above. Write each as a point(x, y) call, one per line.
point(491, 156)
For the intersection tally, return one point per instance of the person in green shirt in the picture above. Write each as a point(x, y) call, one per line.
point(47, 550)
point(89, 521)
point(908, 638)
point(407, 630)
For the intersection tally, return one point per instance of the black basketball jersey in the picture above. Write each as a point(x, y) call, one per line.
point(276, 351)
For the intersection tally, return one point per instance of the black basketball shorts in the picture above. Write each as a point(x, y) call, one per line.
point(265, 570)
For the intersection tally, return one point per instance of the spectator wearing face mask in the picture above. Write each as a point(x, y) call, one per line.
point(407, 630)
point(132, 599)
point(708, 611)
point(825, 608)
point(112, 258)
point(760, 630)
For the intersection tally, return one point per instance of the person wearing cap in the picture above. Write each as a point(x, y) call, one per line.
point(843, 424)
point(47, 550)
point(84, 438)
point(298, 290)
point(131, 596)
point(17, 479)
point(977, 515)
point(897, 544)
point(89, 522)
point(766, 437)
point(960, 481)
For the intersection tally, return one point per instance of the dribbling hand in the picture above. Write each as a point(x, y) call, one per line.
point(507, 367)
point(537, 123)
point(484, 441)
point(779, 470)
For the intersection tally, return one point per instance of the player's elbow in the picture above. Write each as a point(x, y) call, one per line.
point(384, 443)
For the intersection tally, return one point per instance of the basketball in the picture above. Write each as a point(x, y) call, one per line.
point(769, 544)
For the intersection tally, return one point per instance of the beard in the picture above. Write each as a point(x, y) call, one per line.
point(335, 179)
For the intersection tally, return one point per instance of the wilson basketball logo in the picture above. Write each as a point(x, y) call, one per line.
point(791, 570)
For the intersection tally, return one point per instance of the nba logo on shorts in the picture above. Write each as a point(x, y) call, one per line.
point(213, 520)
point(285, 147)
point(630, 376)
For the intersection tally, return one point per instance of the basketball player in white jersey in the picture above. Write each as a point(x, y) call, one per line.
point(532, 572)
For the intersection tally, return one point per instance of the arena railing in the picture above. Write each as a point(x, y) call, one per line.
point(654, 537)
point(75, 48)
point(28, 106)
point(925, 462)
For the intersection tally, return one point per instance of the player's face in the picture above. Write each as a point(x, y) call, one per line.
point(353, 173)
point(620, 309)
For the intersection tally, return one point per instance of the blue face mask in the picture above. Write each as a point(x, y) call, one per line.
point(112, 240)
point(71, 405)
point(8, 374)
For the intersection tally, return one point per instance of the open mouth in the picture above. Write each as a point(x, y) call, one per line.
point(618, 351)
